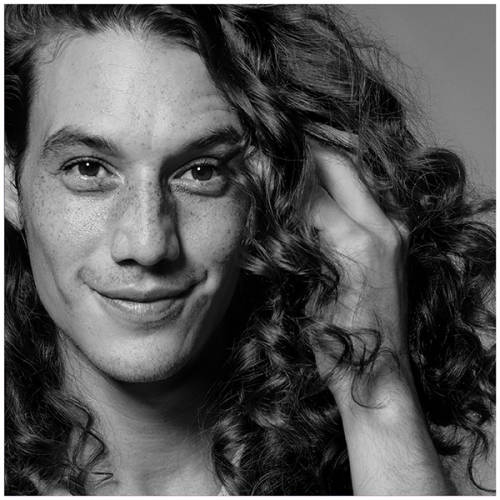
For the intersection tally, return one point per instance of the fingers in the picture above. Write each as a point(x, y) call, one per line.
point(333, 223)
point(339, 178)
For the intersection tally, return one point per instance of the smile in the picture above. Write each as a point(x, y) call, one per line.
point(144, 312)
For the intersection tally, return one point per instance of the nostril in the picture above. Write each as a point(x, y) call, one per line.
point(146, 246)
point(145, 231)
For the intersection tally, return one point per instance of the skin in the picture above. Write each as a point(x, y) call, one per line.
point(146, 223)
point(373, 295)
point(138, 219)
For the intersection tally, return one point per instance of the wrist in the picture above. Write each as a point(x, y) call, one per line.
point(385, 391)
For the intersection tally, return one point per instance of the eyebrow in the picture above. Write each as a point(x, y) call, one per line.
point(69, 136)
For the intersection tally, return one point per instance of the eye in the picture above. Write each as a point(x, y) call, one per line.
point(88, 168)
point(88, 174)
point(204, 177)
point(203, 172)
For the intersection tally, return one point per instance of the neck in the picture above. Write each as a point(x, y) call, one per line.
point(153, 431)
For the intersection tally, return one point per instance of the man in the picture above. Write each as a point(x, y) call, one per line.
point(178, 243)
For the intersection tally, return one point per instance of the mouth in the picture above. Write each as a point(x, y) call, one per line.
point(145, 311)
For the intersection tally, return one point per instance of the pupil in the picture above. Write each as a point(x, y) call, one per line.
point(89, 168)
point(203, 172)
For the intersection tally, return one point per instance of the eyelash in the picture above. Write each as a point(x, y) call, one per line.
point(67, 167)
point(194, 184)
point(203, 163)
point(214, 186)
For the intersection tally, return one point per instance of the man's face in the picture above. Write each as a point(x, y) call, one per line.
point(132, 227)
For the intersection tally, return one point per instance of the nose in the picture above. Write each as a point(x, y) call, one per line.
point(146, 229)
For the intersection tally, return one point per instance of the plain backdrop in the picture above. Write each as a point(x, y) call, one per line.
point(451, 52)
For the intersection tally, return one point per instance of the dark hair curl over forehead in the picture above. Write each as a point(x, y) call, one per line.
point(293, 73)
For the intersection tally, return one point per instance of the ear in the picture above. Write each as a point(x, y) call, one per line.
point(12, 202)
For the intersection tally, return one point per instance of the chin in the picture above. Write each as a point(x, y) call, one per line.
point(133, 374)
point(133, 360)
point(147, 363)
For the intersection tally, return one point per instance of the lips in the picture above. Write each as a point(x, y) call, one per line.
point(145, 295)
point(145, 306)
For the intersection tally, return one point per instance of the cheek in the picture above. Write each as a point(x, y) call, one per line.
point(212, 229)
point(60, 229)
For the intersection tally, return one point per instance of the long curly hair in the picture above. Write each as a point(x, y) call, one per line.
point(294, 74)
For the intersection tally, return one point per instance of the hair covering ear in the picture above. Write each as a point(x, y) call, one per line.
point(11, 201)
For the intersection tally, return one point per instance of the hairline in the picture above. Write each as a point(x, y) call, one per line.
point(54, 40)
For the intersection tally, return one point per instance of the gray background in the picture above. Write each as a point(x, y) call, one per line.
point(451, 52)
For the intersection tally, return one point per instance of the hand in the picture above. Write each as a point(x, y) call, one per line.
point(389, 446)
point(371, 249)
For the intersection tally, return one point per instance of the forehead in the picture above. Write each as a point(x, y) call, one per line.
point(132, 85)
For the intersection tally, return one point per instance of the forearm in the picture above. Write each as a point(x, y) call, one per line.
point(390, 448)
